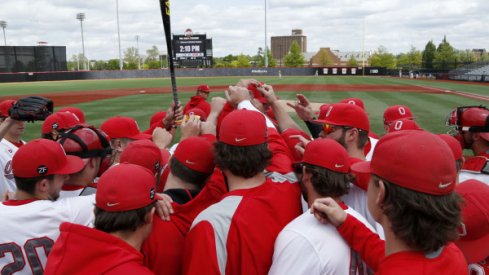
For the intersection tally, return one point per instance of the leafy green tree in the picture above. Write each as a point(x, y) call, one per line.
point(152, 64)
point(484, 57)
point(445, 56)
point(130, 58)
point(153, 54)
point(428, 55)
point(243, 61)
point(113, 64)
point(382, 58)
point(411, 60)
point(324, 59)
point(99, 65)
point(271, 61)
point(466, 57)
point(352, 61)
point(294, 58)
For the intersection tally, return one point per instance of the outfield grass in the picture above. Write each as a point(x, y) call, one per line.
point(430, 109)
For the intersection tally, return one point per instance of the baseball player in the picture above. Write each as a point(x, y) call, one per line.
point(471, 127)
point(56, 124)
point(30, 223)
point(231, 233)
point(92, 146)
point(393, 113)
point(12, 131)
point(124, 212)
point(411, 193)
point(199, 100)
point(305, 246)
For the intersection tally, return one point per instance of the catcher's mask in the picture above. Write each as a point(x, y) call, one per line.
point(468, 119)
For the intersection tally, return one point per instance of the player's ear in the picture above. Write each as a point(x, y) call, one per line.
point(42, 186)
point(381, 194)
point(149, 216)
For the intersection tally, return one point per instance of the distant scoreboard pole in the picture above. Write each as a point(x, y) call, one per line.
point(190, 50)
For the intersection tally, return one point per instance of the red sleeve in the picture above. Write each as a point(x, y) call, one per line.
point(282, 159)
point(200, 251)
point(368, 244)
point(210, 137)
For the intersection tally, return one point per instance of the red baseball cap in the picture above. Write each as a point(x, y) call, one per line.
point(396, 112)
point(344, 114)
point(5, 107)
point(354, 101)
point(203, 88)
point(123, 127)
point(474, 230)
point(78, 112)
point(157, 117)
point(144, 153)
point(454, 145)
point(59, 121)
point(243, 128)
point(327, 153)
point(403, 124)
point(257, 94)
point(196, 153)
point(475, 117)
point(125, 187)
point(42, 157)
point(416, 160)
point(197, 112)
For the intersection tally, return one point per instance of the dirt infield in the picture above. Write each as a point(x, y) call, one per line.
point(69, 98)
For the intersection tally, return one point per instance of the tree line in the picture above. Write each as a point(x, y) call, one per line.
point(442, 57)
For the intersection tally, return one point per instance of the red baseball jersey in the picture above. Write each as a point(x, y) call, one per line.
point(83, 250)
point(237, 234)
point(198, 102)
point(163, 249)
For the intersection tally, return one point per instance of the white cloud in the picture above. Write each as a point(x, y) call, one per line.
point(238, 26)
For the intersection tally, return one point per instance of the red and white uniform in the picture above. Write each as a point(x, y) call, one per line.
point(7, 181)
point(197, 101)
point(476, 167)
point(306, 246)
point(30, 227)
point(69, 191)
point(83, 250)
point(237, 234)
point(163, 249)
point(448, 260)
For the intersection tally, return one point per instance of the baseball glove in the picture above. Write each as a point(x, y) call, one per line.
point(31, 108)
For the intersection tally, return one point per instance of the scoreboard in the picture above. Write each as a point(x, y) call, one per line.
point(191, 50)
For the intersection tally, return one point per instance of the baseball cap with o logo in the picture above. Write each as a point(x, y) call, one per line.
point(344, 114)
point(396, 112)
point(403, 124)
point(416, 160)
point(43, 157)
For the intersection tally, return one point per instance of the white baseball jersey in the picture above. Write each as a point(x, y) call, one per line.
point(373, 142)
point(305, 246)
point(7, 181)
point(30, 228)
point(468, 175)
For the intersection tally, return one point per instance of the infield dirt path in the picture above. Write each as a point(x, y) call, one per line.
point(70, 98)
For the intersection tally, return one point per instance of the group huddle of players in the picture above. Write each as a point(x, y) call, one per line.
point(245, 190)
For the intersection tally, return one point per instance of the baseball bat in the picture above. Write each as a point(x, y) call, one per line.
point(165, 15)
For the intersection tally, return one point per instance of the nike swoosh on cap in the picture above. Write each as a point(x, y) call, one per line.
point(444, 185)
point(338, 165)
point(112, 204)
point(190, 162)
point(239, 139)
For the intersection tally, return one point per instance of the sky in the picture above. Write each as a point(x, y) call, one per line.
point(238, 26)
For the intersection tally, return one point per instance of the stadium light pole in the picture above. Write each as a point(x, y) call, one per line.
point(3, 24)
point(137, 52)
point(81, 17)
point(118, 33)
point(266, 53)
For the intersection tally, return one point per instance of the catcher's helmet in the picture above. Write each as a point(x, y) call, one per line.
point(85, 142)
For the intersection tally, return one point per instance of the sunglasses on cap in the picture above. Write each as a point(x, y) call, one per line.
point(329, 128)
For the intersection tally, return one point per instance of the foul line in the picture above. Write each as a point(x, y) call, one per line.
point(453, 92)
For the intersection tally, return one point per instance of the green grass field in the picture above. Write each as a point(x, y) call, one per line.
point(430, 109)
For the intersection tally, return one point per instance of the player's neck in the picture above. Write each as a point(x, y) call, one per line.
point(354, 152)
point(134, 239)
point(22, 195)
point(235, 182)
point(12, 138)
point(312, 196)
point(175, 183)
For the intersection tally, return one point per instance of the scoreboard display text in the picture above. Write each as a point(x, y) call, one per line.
point(189, 47)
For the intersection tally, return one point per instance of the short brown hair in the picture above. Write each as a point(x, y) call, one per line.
point(423, 221)
point(186, 174)
point(242, 161)
point(328, 183)
point(28, 185)
point(128, 221)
